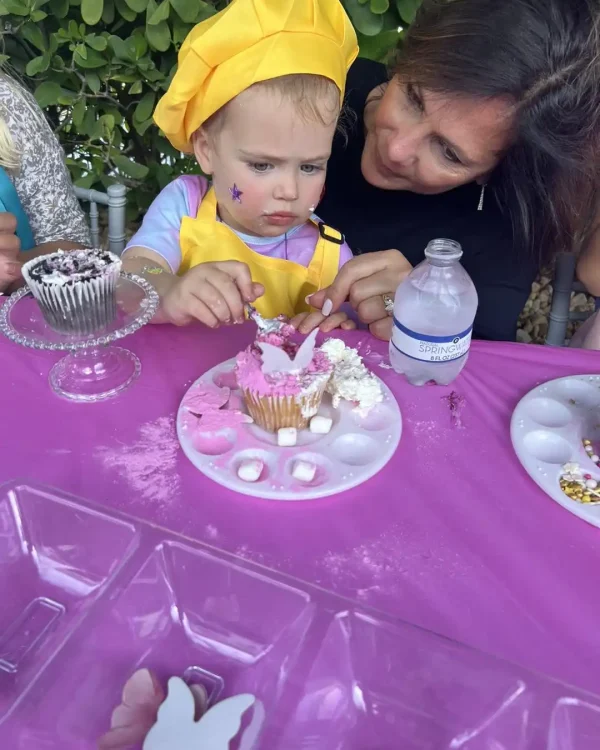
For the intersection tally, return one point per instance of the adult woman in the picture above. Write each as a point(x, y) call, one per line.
point(39, 210)
point(503, 94)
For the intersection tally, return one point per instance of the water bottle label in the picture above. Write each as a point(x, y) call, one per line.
point(430, 348)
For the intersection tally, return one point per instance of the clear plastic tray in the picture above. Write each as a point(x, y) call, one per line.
point(90, 596)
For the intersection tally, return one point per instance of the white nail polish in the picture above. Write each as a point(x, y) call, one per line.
point(327, 307)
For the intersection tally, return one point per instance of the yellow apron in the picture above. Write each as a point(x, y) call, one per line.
point(287, 284)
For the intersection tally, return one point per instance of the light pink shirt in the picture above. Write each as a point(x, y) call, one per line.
point(162, 224)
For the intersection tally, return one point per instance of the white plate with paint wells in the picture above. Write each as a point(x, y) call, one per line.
point(547, 430)
point(355, 449)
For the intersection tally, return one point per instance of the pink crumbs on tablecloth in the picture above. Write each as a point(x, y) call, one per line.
point(149, 465)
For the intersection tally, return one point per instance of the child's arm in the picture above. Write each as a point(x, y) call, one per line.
point(213, 293)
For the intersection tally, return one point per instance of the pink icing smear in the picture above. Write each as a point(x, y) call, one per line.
point(219, 420)
point(213, 421)
point(251, 377)
point(205, 397)
point(226, 379)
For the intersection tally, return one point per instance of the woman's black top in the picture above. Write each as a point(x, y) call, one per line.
point(374, 219)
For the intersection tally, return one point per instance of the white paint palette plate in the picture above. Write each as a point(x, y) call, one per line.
point(547, 429)
point(355, 450)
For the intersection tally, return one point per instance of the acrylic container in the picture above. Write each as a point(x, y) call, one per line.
point(89, 596)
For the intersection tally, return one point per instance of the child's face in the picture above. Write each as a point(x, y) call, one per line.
point(267, 164)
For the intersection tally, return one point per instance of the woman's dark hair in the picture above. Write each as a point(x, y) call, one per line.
point(544, 56)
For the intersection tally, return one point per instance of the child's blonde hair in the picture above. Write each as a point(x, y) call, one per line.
point(9, 154)
point(316, 99)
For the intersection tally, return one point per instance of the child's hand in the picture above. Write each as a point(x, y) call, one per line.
point(213, 293)
point(307, 322)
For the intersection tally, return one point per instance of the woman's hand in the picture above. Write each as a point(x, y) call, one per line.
point(10, 247)
point(363, 281)
point(213, 293)
point(308, 321)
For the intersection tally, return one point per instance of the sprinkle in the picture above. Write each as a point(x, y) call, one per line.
point(456, 403)
point(287, 437)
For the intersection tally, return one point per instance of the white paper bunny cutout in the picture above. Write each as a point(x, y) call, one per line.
point(277, 360)
point(176, 728)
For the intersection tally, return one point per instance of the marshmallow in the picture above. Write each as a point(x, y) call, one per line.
point(304, 471)
point(250, 469)
point(320, 425)
point(287, 436)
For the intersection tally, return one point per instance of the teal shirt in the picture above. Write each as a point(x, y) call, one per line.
point(10, 203)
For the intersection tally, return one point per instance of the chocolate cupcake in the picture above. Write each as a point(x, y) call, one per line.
point(75, 289)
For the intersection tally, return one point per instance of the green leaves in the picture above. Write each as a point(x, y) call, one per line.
point(48, 93)
point(86, 57)
point(93, 82)
point(156, 14)
point(145, 107)
point(91, 11)
point(139, 6)
point(159, 36)
point(379, 6)
point(365, 21)
point(408, 9)
point(34, 35)
point(191, 11)
point(129, 167)
point(37, 65)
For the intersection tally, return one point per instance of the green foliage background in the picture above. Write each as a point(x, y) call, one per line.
point(98, 67)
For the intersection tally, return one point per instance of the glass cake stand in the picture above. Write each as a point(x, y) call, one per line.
point(93, 370)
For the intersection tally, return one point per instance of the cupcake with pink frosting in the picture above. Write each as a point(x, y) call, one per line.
point(282, 382)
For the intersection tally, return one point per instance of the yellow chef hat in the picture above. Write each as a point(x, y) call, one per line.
point(248, 42)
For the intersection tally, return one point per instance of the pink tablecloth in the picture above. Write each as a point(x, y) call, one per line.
point(452, 535)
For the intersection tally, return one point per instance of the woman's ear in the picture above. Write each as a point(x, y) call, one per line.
point(203, 150)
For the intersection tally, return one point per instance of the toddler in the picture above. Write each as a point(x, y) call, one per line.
point(256, 99)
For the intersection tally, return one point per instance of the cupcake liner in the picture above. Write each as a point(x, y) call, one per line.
point(274, 412)
point(81, 307)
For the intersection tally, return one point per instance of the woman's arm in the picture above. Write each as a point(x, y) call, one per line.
point(42, 180)
point(588, 265)
point(363, 281)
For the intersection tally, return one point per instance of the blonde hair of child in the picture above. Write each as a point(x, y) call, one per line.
point(315, 98)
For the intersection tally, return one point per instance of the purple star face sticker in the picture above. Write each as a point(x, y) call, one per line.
point(236, 193)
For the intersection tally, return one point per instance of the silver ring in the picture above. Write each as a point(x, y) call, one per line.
point(388, 303)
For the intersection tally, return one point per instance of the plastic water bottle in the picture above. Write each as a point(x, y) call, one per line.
point(434, 310)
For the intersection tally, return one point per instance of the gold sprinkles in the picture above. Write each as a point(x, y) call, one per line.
point(576, 483)
point(578, 492)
